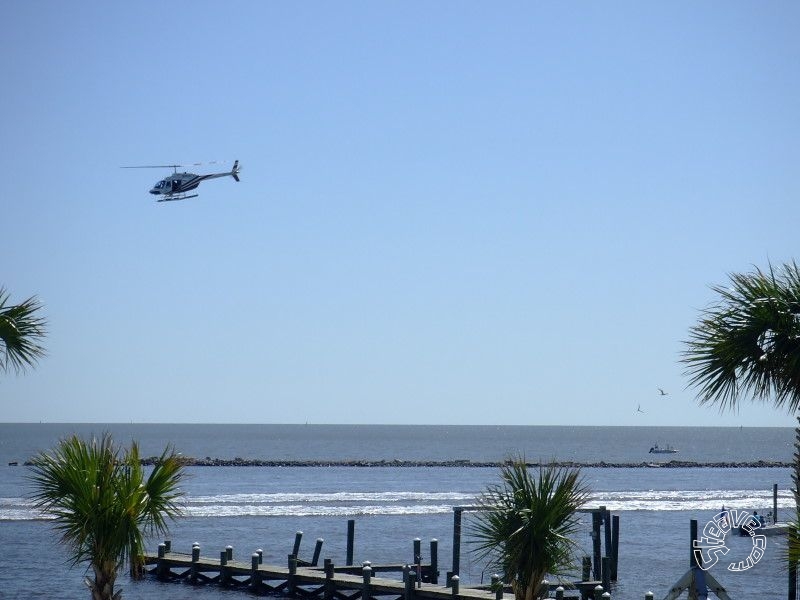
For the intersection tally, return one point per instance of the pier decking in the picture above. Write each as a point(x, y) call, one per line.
point(420, 580)
point(327, 582)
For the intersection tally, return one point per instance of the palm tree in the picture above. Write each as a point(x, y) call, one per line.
point(20, 328)
point(525, 526)
point(748, 343)
point(103, 504)
point(747, 346)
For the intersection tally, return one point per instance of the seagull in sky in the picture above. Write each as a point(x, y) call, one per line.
point(661, 392)
point(639, 409)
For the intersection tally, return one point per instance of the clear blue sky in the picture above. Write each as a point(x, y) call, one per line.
point(450, 212)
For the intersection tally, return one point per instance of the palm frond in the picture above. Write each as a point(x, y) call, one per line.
point(747, 344)
point(102, 504)
point(21, 328)
point(527, 522)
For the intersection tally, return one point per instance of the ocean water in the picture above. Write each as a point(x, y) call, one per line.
point(264, 507)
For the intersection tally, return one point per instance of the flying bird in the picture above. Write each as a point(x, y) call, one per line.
point(662, 392)
point(639, 409)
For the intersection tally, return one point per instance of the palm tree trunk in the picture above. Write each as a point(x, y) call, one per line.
point(103, 586)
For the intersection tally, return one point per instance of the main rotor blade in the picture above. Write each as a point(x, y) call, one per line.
point(153, 167)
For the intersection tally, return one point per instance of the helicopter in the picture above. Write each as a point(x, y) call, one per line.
point(176, 186)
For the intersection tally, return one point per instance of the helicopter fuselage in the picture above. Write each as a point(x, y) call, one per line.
point(176, 185)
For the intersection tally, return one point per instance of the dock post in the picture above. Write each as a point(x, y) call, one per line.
point(317, 552)
point(606, 573)
point(559, 593)
point(596, 543)
point(457, 510)
point(223, 572)
point(351, 533)
point(329, 590)
point(455, 581)
point(367, 574)
point(229, 552)
point(418, 560)
point(195, 558)
point(586, 575)
point(255, 576)
point(649, 596)
point(260, 553)
point(160, 567)
point(410, 582)
point(497, 587)
point(298, 537)
point(434, 575)
point(598, 592)
point(614, 546)
point(167, 546)
point(774, 502)
point(607, 531)
point(290, 582)
point(693, 557)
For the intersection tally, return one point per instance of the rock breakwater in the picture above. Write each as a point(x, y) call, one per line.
point(394, 463)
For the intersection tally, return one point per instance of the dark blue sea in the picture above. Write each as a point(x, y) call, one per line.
point(264, 507)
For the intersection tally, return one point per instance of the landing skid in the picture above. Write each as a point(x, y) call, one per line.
point(177, 197)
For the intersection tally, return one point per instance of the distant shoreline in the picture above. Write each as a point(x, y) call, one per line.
point(672, 464)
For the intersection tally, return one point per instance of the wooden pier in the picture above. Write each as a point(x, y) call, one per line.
point(327, 582)
point(420, 580)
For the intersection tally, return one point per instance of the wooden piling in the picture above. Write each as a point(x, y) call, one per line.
point(329, 586)
point(434, 576)
point(351, 534)
point(195, 559)
point(497, 586)
point(614, 546)
point(596, 544)
point(317, 552)
point(298, 537)
point(606, 569)
point(367, 575)
point(606, 530)
point(223, 572)
point(408, 579)
point(774, 502)
point(586, 574)
point(255, 575)
point(457, 511)
point(694, 560)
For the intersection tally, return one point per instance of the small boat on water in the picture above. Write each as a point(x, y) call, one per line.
point(666, 450)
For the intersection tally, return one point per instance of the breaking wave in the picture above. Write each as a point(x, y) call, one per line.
point(343, 504)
